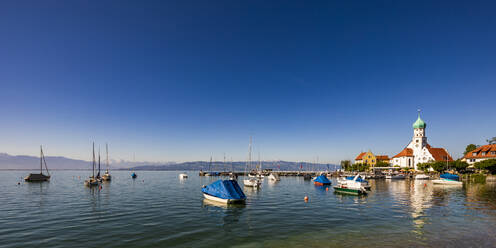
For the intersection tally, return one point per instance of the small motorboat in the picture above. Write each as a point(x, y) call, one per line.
point(352, 187)
point(422, 177)
point(321, 180)
point(274, 177)
point(183, 176)
point(224, 191)
point(395, 176)
point(134, 176)
point(252, 182)
point(358, 178)
point(448, 179)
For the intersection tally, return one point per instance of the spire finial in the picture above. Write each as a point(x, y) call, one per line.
point(418, 110)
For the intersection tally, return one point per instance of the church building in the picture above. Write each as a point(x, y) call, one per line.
point(418, 150)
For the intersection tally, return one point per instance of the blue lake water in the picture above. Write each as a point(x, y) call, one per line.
point(159, 210)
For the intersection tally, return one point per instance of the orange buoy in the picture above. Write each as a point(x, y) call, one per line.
point(306, 198)
point(327, 189)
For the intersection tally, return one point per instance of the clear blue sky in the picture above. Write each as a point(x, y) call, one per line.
point(183, 80)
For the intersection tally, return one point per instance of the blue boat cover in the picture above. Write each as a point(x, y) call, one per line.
point(322, 179)
point(450, 176)
point(359, 179)
point(225, 189)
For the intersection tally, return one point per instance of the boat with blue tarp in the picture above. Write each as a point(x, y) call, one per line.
point(359, 179)
point(448, 179)
point(321, 180)
point(225, 191)
point(352, 187)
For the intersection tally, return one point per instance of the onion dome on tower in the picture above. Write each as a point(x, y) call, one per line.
point(419, 123)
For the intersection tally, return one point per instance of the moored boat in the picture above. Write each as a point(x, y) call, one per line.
point(35, 177)
point(357, 178)
point(224, 191)
point(422, 177)
point(321, 180)
point(395, 176)
point(448, 179)
point(92, 180)
point(252, 182)
point(134, 175)
point(274, 177)
point(107, 176)
point(183, 176)
point(352, 187)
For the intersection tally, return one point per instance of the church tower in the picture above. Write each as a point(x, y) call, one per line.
point(419, 139)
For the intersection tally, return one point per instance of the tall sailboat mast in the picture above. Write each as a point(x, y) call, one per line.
point(98, 175)
point(249, 154)
point(93, 168)
point(106, 148)
point(41, 159)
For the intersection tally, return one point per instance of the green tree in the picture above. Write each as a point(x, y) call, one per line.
point(459, 166)
point(469, 148)
point(439, 166)
point(382, 164)
point(491, 140)
point(489, 165)
point(424, 166)
point(345, 165)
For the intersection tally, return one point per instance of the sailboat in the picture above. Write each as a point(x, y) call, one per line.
point(251, 181)
point(35, 177)
point(448, 178)
point(107, 176)
point(92, 181)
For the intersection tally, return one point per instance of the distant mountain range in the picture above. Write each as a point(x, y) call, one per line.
point(23, 162)
point(238, 166)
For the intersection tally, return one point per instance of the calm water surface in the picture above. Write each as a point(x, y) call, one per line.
point(159, 210)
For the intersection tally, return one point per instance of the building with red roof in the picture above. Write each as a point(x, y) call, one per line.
point(418, 150)
point(480, 153)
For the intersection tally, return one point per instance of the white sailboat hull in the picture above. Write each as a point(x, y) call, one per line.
point(182, 175)
point(446, 182)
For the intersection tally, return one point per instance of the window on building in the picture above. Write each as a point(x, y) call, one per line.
point(366, 160)
point(483, 153)
point(474, 154)
point(369, 156)
point(472, 160)
point(493, 153)
point(372, 160)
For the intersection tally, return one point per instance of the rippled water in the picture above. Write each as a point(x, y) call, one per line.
point(159, 210)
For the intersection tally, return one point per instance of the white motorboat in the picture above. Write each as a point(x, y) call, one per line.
point(274, 177)
point(422, 177)
point(183, 176)
point(395, 176)
point(448, 179)
point(357, 179)
point(351, 186)
point(224, 191)
point(252, 182)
